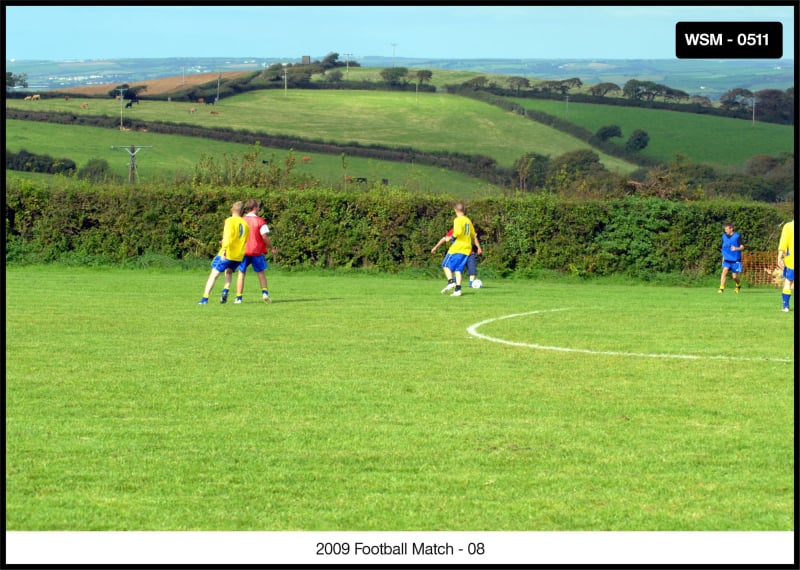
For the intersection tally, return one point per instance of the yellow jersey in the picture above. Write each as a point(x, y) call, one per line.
point(462, 234)
point(786, 244)
point(234, 238)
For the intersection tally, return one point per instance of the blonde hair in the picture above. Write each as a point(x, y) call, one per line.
point(237, 208)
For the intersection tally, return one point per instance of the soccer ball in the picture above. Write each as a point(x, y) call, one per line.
point(477, 284)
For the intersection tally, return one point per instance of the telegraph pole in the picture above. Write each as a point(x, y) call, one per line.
point(347, 55)
point(132, 150)
point(121, 101)
point(393, 46)
point(285, 82)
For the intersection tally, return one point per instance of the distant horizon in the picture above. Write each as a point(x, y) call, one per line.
point(407, 58)
point(565, 31)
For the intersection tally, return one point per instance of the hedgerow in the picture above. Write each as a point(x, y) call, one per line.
point(387, 230)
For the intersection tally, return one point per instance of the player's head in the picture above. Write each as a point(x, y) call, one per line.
point(236, 209)
point(252, 205)
point(459, 208)
point(729, 228)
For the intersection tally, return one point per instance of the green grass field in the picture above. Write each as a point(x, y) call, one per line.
point(427, 121)
point(359, 402)
point(701, 138)
point(169, 156)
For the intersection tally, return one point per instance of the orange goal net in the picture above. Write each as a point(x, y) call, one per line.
point(760, 268)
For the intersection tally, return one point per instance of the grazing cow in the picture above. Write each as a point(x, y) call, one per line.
point(214, 112)
point(36, 97)
point(192, 110)
point(84, 105)
point(200, 100)
point(305, 159)
point(28, 98)
point(362, 180)
point(116, 97)
point(66, 98)
point(129, 104)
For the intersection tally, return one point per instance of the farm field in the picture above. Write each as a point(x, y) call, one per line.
point(169, 156)
point(358, 402)
point(700, 138)
point(425, 121)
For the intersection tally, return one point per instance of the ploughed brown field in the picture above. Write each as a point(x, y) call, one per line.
point(158, 86)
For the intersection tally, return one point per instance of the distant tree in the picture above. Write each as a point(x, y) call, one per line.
point(572, 83)
point(531, 169)
point(16, 80)
point(477, 82)
point(518, 83)
point(98, 170)
point(635, 89)
point(549, 86)
point(299, 76)
point(424, 75)
point(638, 140)
point(601, 89)
point(334, 76)
point(609, 131)
point(575, 164)
point(775, 105)
point(115, 91)
point(394, 75)
point(669, 93)
point(701, 100)
point(330, 61)
point(736, 99)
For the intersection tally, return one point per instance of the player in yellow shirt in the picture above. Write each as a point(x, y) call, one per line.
point(231, 251)
point(458, 253)
point(786, 262)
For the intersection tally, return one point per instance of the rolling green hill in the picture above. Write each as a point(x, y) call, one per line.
point(701, 138)
point(169, 156)
point(424, 121)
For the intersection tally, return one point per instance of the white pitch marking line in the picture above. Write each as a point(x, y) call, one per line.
point(473, 330)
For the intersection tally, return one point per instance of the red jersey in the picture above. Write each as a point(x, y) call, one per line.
point(255, 239)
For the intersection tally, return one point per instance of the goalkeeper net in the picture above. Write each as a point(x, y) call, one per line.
point(760, 268)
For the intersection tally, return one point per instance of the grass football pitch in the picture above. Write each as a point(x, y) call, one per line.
point(372, 402)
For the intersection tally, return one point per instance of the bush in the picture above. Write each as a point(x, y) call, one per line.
point(98, 170)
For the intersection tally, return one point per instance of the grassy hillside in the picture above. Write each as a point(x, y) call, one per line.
point(171, 155)
point(425, 121)
point(701, 138)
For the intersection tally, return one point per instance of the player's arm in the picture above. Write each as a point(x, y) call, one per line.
point(438, 243)
point(478, 244)
point(782, 246)
point(267, 242)
point(228, 235)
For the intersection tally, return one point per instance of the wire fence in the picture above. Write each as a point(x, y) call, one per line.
point(760, 268)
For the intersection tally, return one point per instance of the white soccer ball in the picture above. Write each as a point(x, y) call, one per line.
point(477, 284)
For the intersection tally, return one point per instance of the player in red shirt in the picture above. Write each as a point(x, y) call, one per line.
point(258, 243)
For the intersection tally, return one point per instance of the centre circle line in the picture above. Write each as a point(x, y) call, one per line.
point(473, 330)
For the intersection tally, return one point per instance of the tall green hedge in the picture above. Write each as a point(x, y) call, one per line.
point(385, 230)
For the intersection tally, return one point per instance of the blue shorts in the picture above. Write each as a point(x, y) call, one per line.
point(222, 265)
point(788, 274)
point(455, 262)
point(259, 263)
point(735, 266)
point(472, 264)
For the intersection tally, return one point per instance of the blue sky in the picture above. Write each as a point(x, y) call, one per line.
point(591, 31)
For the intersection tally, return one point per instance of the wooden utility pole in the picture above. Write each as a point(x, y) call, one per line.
point(132, 150)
